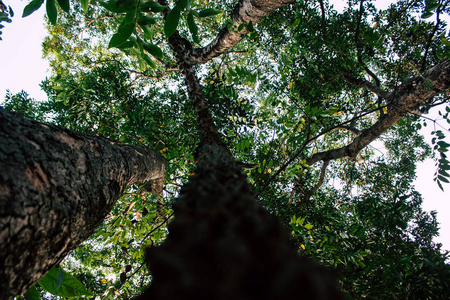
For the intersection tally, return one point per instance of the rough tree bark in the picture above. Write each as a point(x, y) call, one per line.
point(223, 245)
point(56, 187)
point(244, 12)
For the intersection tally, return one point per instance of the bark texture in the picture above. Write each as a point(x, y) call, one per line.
point(244, 12)
point(223, 245)
point(56, 187)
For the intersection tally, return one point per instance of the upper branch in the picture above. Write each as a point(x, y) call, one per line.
point(408, 95)
point(244, 12)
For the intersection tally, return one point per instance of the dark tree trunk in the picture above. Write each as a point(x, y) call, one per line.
point(56, 187)
point(223, 245)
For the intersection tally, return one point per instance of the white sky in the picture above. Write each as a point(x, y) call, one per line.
point(22, 67)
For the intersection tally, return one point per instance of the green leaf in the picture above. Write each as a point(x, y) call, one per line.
point(443, 172)
point(148, 33)
point(65, 5)
point(32, 294)
point(151, 5)
point(145, 20)
point(443, 179)
point(443, 144)
point(60, 279)
point(128, 5)
point(193, 28)
point(182, 4)
point(122, 35)
point(4, 18)
point(426, 15)
point(31, 7)
point(85, 5)
point(445, 41)
point(153, 50)
point(52, 13)
point(149, 61)
point(171, 22)
point(126, 45)
point(130, 17)
point(111, 6)
point(70, 286)
point(405, 259)
point(431, 6)
point(209, 12)
point(250, 27)
point(440, 185)
point(309, 226)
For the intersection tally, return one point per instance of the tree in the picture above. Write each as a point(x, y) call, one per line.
point(320, 78)
point(42, 222)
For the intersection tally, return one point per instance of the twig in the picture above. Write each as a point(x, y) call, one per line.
point(282, 168)
point(156, 228)
point(319, 183)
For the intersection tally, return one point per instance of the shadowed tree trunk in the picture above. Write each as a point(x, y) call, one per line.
point(223, 245)
point(56, 187)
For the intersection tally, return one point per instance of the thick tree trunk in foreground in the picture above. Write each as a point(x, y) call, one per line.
point(56, 187)
point(223, 245)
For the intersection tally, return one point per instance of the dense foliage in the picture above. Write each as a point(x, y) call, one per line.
point(285, 92)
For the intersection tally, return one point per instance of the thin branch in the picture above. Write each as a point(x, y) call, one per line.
point(283, 167)
point(106, 16)
point(167, 68)
point(306, 142)
point(407, 96)
point(319, 183)
point(430, 39)
point(352, 129)
point(322, 10)
point(156, 228)
point(358, 46)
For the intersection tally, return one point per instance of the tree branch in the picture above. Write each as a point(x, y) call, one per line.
point(430, 39)
point(244, 12)
point(309, 193)
point(411, 93)
point(365, 84)
point(352, 129)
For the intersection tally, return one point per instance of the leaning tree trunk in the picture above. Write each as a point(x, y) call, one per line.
point(56, 187)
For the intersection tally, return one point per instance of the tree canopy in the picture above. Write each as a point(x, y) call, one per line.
point(321, 108)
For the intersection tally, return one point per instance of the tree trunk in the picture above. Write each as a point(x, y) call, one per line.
point(56, 187)
point(223, 245)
